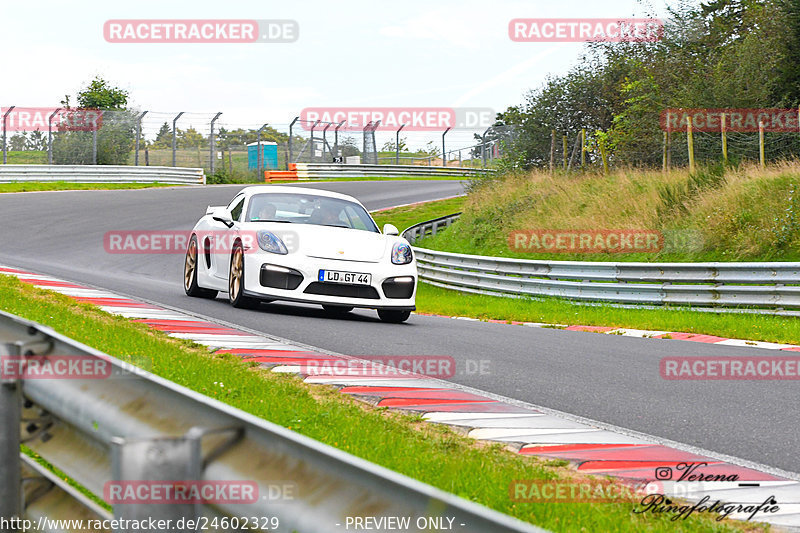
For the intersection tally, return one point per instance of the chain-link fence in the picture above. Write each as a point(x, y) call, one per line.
point(235, 151)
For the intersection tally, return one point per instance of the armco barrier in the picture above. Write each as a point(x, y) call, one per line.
point(768, 287)
point(133, 425)
point(333, 171)
point(102, 174)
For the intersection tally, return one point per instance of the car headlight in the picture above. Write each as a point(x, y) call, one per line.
point(269, 242)
point(401, 254)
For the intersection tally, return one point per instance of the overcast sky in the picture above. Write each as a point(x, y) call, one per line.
point(349, 53)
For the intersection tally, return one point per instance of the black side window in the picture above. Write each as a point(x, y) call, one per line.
point(236, 212)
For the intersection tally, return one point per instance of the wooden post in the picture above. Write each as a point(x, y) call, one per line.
point(761, 143)
point(583, 148)
point(565, 145)
point(603, 155)
point(723, 128)
point(690, 143)
point(553, 150)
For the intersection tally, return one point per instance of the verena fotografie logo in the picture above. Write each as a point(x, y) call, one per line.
point(586, 241)
point(392, 118)
point(201, 31)
point(383, 366)
point(175, 241)
point(188, 492)
point(578, 30)
point(739, 120)
point(52, 119)
point(730, 368)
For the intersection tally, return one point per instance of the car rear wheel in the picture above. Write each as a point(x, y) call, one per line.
point(236, 281)
point(190, 273)
point(393, 316)
point(337, 310)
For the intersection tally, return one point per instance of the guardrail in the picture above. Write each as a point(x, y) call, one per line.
point(102, 174)
point(772, 287)
point(332, 171)
point(133, 425)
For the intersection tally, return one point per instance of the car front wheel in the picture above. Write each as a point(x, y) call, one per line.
point(236, 280)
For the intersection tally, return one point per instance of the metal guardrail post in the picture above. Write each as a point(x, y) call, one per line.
point(212, 148)
point(5, 117)
point(10, 466)
point(50, 136)
point(175, 138)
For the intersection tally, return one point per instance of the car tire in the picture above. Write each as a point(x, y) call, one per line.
point(236, 280)
point(337, 310)
point(393, 316)
point(190, 266)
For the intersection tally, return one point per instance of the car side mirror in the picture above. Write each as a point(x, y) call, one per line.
point(223, 217)
point(389, 229)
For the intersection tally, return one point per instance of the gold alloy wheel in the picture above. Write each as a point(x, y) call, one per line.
point(190, 266)
point(235, 278)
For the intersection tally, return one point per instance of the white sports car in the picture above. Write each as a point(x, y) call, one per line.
point(304, 245)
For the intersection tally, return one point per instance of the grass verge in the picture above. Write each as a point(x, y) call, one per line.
point(67, 186)
point(435, 300)
point(433, 454)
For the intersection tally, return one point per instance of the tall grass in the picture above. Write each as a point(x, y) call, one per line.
point(716, 214)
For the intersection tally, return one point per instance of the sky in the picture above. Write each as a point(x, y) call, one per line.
point(349, 53)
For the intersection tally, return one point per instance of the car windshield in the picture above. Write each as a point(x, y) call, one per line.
point(309, 209)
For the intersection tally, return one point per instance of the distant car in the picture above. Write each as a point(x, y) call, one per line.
point(303, 245)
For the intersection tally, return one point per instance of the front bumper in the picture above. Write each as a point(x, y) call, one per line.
point(295, 278)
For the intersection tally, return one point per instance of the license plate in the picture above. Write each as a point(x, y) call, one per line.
point(352, 278)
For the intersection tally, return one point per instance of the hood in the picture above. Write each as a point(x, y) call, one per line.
point(331, 243)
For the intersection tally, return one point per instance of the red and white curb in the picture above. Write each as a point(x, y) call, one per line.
point(629, 332)
point(594, 448)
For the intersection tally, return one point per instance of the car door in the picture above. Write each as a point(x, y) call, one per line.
point(223, 237)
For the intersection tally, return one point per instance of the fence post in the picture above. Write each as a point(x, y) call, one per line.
point(444, 154)
point(94, 142)
point(583, 148)
point(5, 116)
point(336, 139)
point(260, 164)
point(138, 135)
point(50, 136)
point(724, 141)
point(311, 151)
point(669, 149)
point(664, 153)
point(483, 146)
point(212, 146)
point(397, 145)
point(761, 144)
point(291, 152)
point(565, 147)
point(325, 140)
point(690, 143)
point(552, 150)
point(175, 138)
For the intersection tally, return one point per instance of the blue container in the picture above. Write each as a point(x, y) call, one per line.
point(270, 156)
